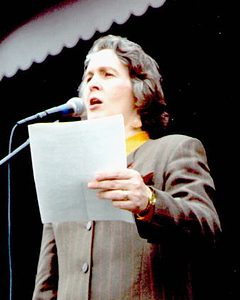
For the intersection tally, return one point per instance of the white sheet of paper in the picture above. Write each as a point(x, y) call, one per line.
point(65, 157)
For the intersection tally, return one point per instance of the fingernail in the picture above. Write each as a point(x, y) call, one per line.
point(97, 176)
point(90, 184)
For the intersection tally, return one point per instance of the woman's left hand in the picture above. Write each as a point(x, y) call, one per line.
point(126, 189)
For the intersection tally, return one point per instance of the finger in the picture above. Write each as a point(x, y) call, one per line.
point(116, 195)
point(119, 174)
point(110, 185)
point(126, 205)
point(117, 200)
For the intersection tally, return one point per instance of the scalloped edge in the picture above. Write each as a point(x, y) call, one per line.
point(74, 14)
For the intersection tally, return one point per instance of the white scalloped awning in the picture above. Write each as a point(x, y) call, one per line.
point(64, 26)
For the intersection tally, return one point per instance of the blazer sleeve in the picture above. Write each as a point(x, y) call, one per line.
point(47, 272)
point(184, 190)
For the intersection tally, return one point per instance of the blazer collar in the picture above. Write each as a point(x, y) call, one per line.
point(131, 156)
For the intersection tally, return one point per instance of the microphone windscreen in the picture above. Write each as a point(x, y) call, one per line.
point(78, 105)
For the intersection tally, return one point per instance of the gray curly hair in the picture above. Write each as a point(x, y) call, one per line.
point(145, 78)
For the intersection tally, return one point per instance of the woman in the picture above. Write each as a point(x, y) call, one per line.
point(167, 186)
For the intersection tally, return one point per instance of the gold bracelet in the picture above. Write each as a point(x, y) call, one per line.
point(151, 203)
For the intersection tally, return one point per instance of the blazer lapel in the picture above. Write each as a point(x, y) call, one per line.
point(130, 159)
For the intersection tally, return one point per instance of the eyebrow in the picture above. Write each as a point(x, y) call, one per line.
point(102, 68)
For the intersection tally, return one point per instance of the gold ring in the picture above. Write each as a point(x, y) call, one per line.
point(126, 196)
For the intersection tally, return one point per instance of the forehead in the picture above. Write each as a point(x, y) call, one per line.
point(106, 58)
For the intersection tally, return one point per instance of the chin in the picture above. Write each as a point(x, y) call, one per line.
point(97, 115)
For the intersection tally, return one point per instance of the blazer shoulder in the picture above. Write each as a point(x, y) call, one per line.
point(162, 148)
point(171, 141)
point(166, 146)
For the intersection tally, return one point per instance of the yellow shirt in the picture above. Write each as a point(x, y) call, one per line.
point(135, 141)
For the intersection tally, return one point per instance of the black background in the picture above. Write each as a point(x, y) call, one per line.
point(194, 43)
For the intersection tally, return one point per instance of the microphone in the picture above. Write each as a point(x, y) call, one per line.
point(75, 107)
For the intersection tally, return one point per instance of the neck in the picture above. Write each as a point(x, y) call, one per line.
point(131, 131)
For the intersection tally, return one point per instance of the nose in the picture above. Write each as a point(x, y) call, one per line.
point(94, 84)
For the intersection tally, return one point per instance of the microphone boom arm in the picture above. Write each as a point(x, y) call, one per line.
point(18, 149)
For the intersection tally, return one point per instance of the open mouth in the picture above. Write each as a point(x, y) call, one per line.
point(95, 102)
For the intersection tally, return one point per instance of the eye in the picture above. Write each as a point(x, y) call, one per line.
point(108, 74)
point(88, 78)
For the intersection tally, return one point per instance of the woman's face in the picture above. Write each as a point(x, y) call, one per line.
point(107, 88)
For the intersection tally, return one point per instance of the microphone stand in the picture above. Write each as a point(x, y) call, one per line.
point(73, 105)
point(18, 149)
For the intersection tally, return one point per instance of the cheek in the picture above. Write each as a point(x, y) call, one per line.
point(122, 90)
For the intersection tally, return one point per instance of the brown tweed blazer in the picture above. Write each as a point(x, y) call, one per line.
point(147, 260)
